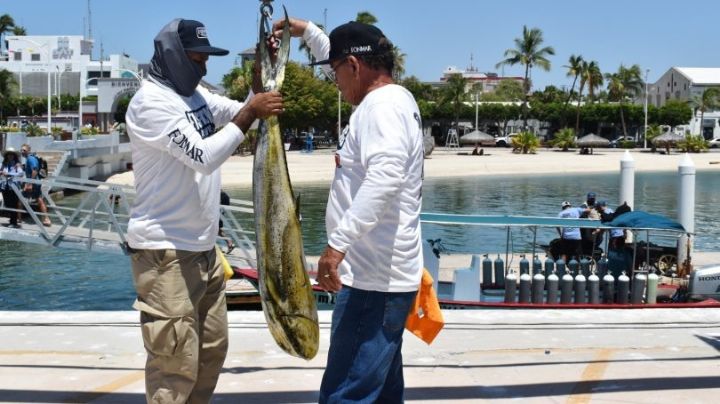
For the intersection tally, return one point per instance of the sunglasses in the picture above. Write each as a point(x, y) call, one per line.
point(330, 73)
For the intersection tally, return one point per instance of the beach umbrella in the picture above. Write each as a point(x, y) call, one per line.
point(667, 140)
point(592, 140)
point(477, 137)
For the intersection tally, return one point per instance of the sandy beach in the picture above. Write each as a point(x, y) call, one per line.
point(319, 166)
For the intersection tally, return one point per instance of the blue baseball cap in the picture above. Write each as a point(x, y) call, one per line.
point(591, 195)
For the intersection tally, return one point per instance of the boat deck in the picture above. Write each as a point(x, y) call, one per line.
point(539, 356)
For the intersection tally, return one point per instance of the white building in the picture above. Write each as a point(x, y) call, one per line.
point(683, 83)
point(67, 59)
point(488, 81)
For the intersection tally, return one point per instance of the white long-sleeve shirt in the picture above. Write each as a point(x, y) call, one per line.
point(373, 211)
point(176, 155)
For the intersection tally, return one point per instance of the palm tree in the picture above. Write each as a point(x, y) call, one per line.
point(627, 82)
point(593, 78)
point(583, 68)
point(564, 139)
point(528, 53)
point(708, 100)
point(574, 66)
point(652, 132)
point(454, 93)
point(306, 49)
point(366, 17)
point(6, 24)
point(19, 31)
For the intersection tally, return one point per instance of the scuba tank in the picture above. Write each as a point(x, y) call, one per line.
point(538, 287)
point(602, 266)
point(560, 266)
point(525, 280)
point(524, 265)
point(486, 271)
point(580, 283)
point(553, 282)
point(593, 288)
point(652, 285)
point(585, 266)
point(499, 268)
point(510, 287)
point(549, 266)
point(623, 288)
point(638, 288)
point(537, 265)
point(573, 265)
point(566, 288)
point(608, 288)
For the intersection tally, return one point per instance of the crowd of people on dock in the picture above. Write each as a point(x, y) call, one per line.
point(16, 166)
point(577, 242)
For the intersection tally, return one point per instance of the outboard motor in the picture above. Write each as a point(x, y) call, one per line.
point(538, 287)
point(553, 283)
point(594, 288)
point(510, 287)
point(486, 271)
point(705, 283)
point(525, 280)
point(499, 267)
point(524, 265)
point(566, 288)
point(608, 288)
point(549, 266)
point(652, 286)
point(623, 288)
point(580, 288)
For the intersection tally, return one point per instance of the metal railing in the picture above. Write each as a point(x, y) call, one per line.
point(93, 216)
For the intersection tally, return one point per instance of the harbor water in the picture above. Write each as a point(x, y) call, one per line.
point(34, 277)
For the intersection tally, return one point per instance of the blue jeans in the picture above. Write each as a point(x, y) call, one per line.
point(364, 360)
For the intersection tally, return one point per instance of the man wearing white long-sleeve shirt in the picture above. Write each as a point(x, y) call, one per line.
point(373, 258)
point(173, 225)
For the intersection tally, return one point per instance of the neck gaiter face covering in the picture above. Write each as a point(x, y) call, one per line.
point(171, 66)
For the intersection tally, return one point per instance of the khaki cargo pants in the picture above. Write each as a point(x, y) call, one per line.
point(181, 299)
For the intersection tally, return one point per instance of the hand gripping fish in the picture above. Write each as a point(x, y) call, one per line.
point(284, 284)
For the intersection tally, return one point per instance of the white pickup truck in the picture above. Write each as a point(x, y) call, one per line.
point(505, 141)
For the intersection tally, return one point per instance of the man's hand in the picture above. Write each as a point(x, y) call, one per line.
point(297, 27)
point(327, 275)
point(260, 106)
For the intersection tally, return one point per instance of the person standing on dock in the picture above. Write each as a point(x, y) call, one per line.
point(173, 226)
point(32, 170)
point(373, 259)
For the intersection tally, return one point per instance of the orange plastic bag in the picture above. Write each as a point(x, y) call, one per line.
point(425, 319)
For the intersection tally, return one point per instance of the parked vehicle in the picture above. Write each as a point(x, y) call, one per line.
point(618, 141)
point(505, 141)
point(714, 143)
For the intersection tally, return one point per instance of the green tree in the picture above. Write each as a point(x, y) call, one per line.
point(308, 100)
point(238, 81)
point(708, 100)
point(652, 132)
point(574, 70)
point(454, 94)
point(593, 78)
point(366, 17)
point(507, 90)
point(122, 106)
point(529, 53)
point(7, 23)
point(419, 90)
point(675, 112)
point(626, 82)
point(693, 144)
point(564, 139)
point(19, 31)
point(7, 86)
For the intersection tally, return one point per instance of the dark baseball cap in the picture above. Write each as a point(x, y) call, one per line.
point(591, 195)
point(193, 36)
point(356, 38)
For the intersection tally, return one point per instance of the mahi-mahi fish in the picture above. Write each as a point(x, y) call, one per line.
point(284, 284)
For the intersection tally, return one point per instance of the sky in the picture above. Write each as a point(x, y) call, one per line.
point(656, 35)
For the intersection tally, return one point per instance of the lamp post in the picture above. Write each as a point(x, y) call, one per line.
point(46, 45)
point(646, 110)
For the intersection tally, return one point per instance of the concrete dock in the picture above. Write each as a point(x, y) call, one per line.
point(535, 356)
